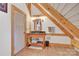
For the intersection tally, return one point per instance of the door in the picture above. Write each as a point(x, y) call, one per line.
point(18, 19)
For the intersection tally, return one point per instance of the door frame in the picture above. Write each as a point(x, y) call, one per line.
point(14, 10)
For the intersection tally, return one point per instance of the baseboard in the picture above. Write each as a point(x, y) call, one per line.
point(60, 45)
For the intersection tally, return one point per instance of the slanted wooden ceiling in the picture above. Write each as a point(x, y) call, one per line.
point(58, 19)
point(68, 10)
point(35, 11)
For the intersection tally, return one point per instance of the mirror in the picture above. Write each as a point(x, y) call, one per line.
point(37, 25)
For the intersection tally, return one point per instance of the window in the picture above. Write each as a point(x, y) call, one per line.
point(51, 29)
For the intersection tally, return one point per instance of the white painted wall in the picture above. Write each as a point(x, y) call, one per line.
point(48, 23)
point(5, 32)
point(58, 39)
point(5, 28)
point(52, 39)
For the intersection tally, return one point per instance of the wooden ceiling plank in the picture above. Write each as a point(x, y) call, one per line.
point(70, 10)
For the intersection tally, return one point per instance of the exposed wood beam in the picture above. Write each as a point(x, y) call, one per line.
point(53, 20)
point(75, 43)
point(70, 28)
point(37, 15)
point(29, 6)
point(62, 19)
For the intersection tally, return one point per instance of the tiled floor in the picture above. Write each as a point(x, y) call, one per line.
point(48, 51)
